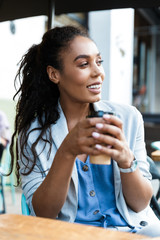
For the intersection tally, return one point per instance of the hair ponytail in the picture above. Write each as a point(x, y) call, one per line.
point(37, 95)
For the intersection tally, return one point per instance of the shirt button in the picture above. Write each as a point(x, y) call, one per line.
point(92, 193)
point(95, 212)
point(85, 168)
point(143, 223)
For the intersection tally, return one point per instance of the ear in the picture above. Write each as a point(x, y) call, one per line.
point(53, 74)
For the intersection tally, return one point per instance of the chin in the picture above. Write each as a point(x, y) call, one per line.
point(96, 99)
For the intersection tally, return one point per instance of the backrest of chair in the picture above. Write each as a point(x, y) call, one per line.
point(155, 145)
point(24, 206)
point(151, 134)
point(153, 169)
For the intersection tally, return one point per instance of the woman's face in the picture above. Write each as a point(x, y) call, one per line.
point(82, 76)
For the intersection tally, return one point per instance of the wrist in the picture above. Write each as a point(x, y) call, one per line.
point(125, 165)
point(128, 162)
point(132, 168)
point(65, 151)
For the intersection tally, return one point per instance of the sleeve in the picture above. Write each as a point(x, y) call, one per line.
point(140, 147)
point(30, 182)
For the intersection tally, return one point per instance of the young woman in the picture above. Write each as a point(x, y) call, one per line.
point(61, 85)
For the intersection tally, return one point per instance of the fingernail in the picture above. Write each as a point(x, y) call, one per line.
point(106, 116)
point(98, 146)
point(95, 134)
point(109, 146)
point(99, 125)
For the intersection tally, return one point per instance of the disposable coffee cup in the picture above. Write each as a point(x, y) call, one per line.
point(102, 158)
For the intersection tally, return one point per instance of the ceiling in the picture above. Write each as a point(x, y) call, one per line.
point(86, 6)
point(15, 9)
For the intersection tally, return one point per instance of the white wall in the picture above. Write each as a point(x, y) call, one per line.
point(12, 46)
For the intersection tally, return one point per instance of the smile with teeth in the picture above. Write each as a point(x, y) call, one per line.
point(97, 86)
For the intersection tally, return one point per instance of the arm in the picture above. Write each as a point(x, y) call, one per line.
point(49, 198)
point(50, 195)
point(136, 188)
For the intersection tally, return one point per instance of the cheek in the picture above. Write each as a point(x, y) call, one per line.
point(79, 78)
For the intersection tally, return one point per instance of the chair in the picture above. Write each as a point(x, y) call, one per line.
point(8, 181)
point(2, 199)
point(156, 145)
point(24, 206)
point(155, 176)
point(3, 210)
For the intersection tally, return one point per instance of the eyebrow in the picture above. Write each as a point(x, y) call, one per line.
point(85, 56)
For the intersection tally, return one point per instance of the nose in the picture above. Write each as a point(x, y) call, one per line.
point(98, 71)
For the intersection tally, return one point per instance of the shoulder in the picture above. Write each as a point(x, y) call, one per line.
point(118, 109)
point(127, 113)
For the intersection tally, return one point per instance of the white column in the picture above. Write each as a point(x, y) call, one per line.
point(121, 55)
point(99, 29)
point(113, 32)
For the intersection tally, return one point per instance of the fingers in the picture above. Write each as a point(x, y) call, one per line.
point(103, 130)
point(91, 122)
point(107, 140)
point(112, 130)
point(88, 126)
point(123, 157)
point(107, 119)
point(93, 132)
point(108, 124)
point(91, 150)
point(87, 141)
point(113, 120)
point(80, 141)
point(113, 153)
point(104, 135)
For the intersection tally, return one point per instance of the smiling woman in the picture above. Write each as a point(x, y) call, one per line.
point(61, 81)
point(82, 75)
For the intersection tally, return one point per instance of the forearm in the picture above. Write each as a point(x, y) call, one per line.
point(50, 196)
point(136, 189)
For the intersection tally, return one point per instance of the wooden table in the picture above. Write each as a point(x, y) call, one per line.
point(20, 227)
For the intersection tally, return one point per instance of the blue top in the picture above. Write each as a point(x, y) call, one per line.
point(96, 199)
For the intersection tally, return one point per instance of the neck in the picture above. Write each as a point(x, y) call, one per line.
point(75, 112)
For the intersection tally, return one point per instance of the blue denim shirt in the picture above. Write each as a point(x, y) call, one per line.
point(96, 195)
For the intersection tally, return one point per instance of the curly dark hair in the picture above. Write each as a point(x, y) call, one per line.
point(37, 95)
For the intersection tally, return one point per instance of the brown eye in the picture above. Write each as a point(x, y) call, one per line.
point(99, 62)
point(83, 64)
